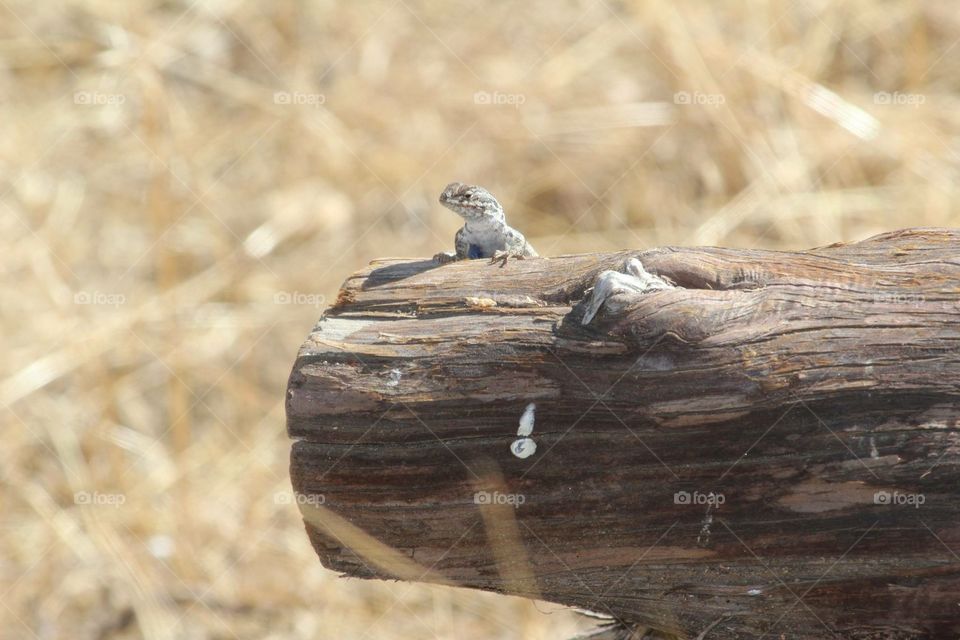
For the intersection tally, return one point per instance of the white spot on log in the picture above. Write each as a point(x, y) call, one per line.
point(395, 375)
point(523, 447)
point(754, 592)
point(873, 449)
point(704, 538)
point(482, 303)
point(526, 420)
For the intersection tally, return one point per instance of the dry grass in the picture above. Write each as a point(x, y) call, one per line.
point(162, 200)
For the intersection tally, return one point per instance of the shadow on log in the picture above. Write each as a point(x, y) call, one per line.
point(767, 446)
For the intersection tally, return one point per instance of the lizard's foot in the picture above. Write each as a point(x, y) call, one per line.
point(445, 257)
point(502, 257)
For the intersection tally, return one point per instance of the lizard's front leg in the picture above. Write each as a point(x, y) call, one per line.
point(517, 248)
point(461, 246)
point(502, 256)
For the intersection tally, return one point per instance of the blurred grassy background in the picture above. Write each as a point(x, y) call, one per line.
point(183, 184)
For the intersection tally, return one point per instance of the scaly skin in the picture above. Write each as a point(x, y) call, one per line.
point(636, 280)
point(486, 233)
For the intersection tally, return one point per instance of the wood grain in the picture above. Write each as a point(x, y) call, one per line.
point(774, 443)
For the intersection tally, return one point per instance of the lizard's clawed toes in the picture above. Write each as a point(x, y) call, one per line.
point(502, 256)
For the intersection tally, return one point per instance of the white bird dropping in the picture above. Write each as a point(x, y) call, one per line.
point(524, 446)
point(526, 420)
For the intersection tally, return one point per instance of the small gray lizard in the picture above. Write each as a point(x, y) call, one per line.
point(486, 233)
point(610, 284)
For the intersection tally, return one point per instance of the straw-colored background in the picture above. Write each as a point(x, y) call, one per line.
point(183, 184)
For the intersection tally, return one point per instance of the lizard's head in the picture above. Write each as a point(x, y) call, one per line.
point(470, 202)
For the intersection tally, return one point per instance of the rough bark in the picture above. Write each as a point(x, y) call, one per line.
point(773, 445)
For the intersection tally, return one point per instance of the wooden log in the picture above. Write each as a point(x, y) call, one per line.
point(769, 447)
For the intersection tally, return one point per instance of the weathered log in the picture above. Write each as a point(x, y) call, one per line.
point(771, 446)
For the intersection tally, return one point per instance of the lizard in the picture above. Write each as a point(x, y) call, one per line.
point(613, 283)
point(486, 233)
